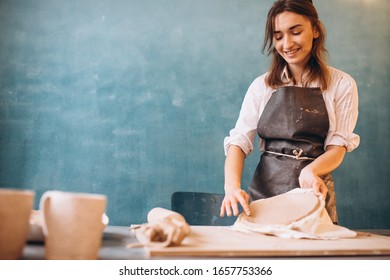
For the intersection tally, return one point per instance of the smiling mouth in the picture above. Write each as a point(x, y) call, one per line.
point(292, 52)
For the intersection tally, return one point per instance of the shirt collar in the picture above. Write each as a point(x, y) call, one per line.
point(287, 79)
point(285, 76)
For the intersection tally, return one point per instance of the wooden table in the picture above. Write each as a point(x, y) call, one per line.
point(226, 242)
point(223, 242)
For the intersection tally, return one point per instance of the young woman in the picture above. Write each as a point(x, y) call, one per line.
point(303, 110)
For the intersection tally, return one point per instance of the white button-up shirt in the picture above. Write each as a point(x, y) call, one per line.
point(341, 100)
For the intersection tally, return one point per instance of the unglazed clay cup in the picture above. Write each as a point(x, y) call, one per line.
point(73, 224)
point(15, 209)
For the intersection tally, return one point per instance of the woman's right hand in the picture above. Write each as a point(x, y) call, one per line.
point(231, 200)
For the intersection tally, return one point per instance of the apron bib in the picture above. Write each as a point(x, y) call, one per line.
point(294, 126)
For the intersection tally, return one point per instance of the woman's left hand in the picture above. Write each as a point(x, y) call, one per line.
point(308, 179)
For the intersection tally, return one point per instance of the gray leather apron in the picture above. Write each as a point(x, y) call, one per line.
point(294, 126)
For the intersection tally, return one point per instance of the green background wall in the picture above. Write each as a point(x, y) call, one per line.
point(133, 99)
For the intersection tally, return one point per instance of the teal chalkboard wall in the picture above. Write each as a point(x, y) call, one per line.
point(133, 99)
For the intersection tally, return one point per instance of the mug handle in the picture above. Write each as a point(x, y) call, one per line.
point(43, 204)
point(105, 219)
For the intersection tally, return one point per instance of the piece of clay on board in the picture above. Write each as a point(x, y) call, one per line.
point(282, 209)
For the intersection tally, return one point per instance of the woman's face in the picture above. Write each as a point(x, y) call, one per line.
point(293, 39)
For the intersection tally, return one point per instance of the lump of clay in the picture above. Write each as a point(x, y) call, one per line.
point(164, 228)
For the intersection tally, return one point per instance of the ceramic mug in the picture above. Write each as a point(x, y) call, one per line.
point(72, 224)
point(15, 208)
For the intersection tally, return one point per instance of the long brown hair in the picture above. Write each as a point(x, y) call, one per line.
point(316, 66)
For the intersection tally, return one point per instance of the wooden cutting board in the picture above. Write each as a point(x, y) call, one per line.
point(206, 241)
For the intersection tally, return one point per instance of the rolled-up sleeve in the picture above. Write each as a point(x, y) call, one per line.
point(244, 133)
point(343, 114)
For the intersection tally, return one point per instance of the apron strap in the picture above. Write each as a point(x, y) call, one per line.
point(297, 155)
